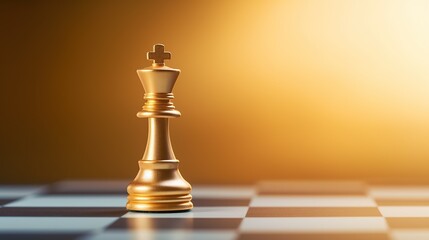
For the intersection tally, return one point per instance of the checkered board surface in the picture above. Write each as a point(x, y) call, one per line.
point(89, 210)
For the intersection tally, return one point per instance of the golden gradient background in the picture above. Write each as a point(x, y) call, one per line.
point(268, 90)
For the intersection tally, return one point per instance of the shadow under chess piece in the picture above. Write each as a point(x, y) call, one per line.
point(159, 186)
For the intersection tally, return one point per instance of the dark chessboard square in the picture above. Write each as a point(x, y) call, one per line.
point(87, 187)
point(40, 236)
point(175, 223)
point(314, 236)
point(313, 212)
point(62, 211)
point(4, 201)
point(312, 188)
point(214, 202)
point(408, 223)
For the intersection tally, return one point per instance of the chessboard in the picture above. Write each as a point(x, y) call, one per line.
point(304, 210)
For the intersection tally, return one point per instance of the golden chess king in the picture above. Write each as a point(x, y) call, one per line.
point(158, 186)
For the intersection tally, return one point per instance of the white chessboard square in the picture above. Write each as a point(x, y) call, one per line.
point(53, 224)
point(312, 201)
point(164, 234)
point(405, 211)
point(196, 212)
point(15, 191)
point(400, 192)
point(70, 201)
point(222, 192)
point(93, 185)
point(413, 234)
point(315, 225)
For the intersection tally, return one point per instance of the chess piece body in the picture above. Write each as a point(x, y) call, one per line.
point(159, 186)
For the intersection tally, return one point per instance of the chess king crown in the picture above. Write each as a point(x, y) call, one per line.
point(158, 81)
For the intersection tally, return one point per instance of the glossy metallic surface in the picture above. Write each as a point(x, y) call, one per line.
point(159, 186)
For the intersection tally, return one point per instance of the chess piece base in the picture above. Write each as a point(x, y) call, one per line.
point(159, 187)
